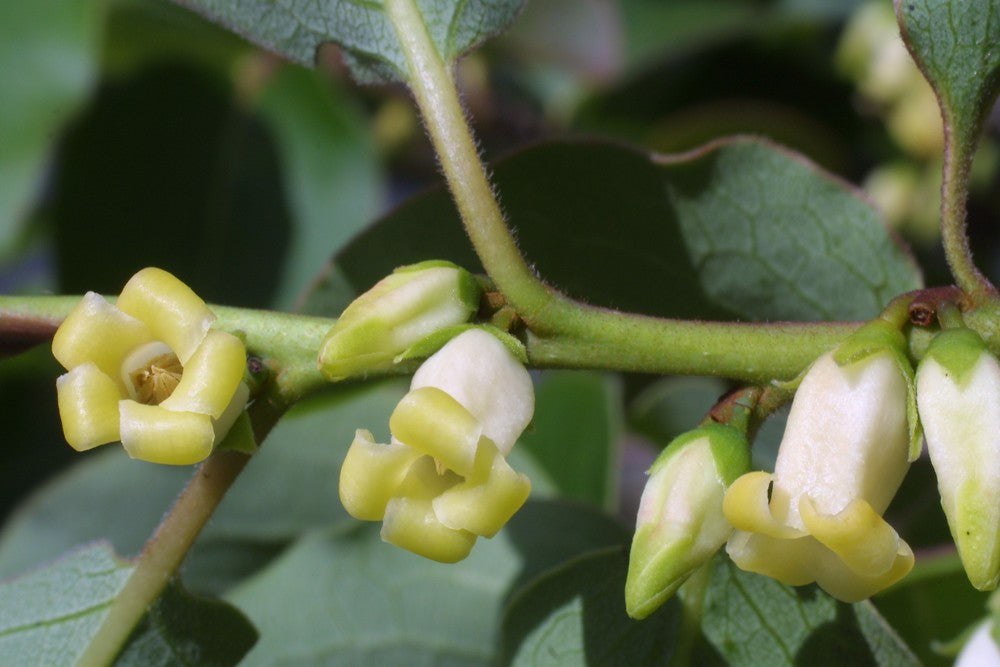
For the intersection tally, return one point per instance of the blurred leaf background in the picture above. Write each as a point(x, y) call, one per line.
point(135, 133)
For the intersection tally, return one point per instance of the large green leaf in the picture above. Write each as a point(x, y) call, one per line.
point(575, 615)
point(574, 435)
point(182, 629)
point(955, 43)
point(754, 620)
point(740, 229)
point(343, 597)
point(48, 616)
point(47, 56)
point(297, 28)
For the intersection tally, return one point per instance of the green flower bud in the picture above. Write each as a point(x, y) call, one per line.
point(680, 523)
point(958, 395)
point(403, 308)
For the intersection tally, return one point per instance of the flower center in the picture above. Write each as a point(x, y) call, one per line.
point(157, 379)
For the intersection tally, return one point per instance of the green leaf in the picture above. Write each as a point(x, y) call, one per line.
point(343, 597)
point(575, 615)
point(575, 434)
point(754, 620)
point(183, 629)
point(329, 170)
point(297, 28)
point(48, 616)
point(741, 229)
point(46, 69)
point(290, 487)
point(955, 44)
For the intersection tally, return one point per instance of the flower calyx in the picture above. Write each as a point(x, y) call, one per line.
point(149, 371)
point(680, 524)
point(398, 312)
point(443, 480)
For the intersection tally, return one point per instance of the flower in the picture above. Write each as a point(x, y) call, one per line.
point(958, 395)
point(981, 648)
point(444, 479)
point(148, 371)
point(841, 460)
point(403, 308)
point(680, 523)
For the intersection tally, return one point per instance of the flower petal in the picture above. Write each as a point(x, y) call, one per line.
point(371, 474)
point(843, 583)
point(791, 562)
point(487, 500)
point(434, 423)
point(211, 376)
point(152, 433)
point(173, 312)
point(98, 333)
point(746, 506)
point(481, 374)
point(857, 535)
point(88, 407)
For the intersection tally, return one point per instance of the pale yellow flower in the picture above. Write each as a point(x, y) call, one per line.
point(149, 371)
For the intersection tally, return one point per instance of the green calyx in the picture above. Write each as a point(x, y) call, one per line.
point(729, 446)
point(957, 351)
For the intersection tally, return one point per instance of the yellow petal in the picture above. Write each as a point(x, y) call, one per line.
point(210, 377)
point(746, 507)
point(371, 474)
point(173, 312)
point(237, 405)
point(152, 433)
point(88, 407)
point(791, 562)
point(410, 523)
point(98, 333)
point(857, 535)
point(484, 502)
point(434, 423)
point(834, 577)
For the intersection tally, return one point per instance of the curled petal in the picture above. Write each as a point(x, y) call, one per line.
point(857, 535)
point(173, 312)
point(96, 332)
point(410, 521)
point(487, 499)
point(371, 474)
point(843, 583)
point(746, 506)
point(482, 375)
point(790, 561)
point(434, 423)
point(155, 434)
point(88, 407)
point(211, 376)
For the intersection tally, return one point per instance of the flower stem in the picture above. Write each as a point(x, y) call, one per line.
point(164, 552)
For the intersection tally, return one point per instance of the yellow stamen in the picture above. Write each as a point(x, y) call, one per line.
point(155, 381)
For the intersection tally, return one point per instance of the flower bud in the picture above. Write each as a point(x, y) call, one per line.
point(981, 649)
point(680, 523)
point(444, 480)
point(958, 395)
point(841, 460)
point(403, 308)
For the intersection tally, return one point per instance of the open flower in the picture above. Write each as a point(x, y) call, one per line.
point(680, 524)
point(148, 371)
point(840, 462)
point(402, 309)
point(958, 394)
point(444, 479)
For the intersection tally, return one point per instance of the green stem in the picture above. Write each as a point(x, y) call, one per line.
point(958, 156)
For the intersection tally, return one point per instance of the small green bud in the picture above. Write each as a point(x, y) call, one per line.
point(406, 306)
point(680, 523)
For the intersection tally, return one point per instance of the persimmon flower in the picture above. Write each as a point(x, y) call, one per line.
point(841, 460)
point(680, 524)
point(149, 371)
point(444, 480)
point(958, 394)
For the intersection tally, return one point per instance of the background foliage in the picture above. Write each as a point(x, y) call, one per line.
point(134, 132)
